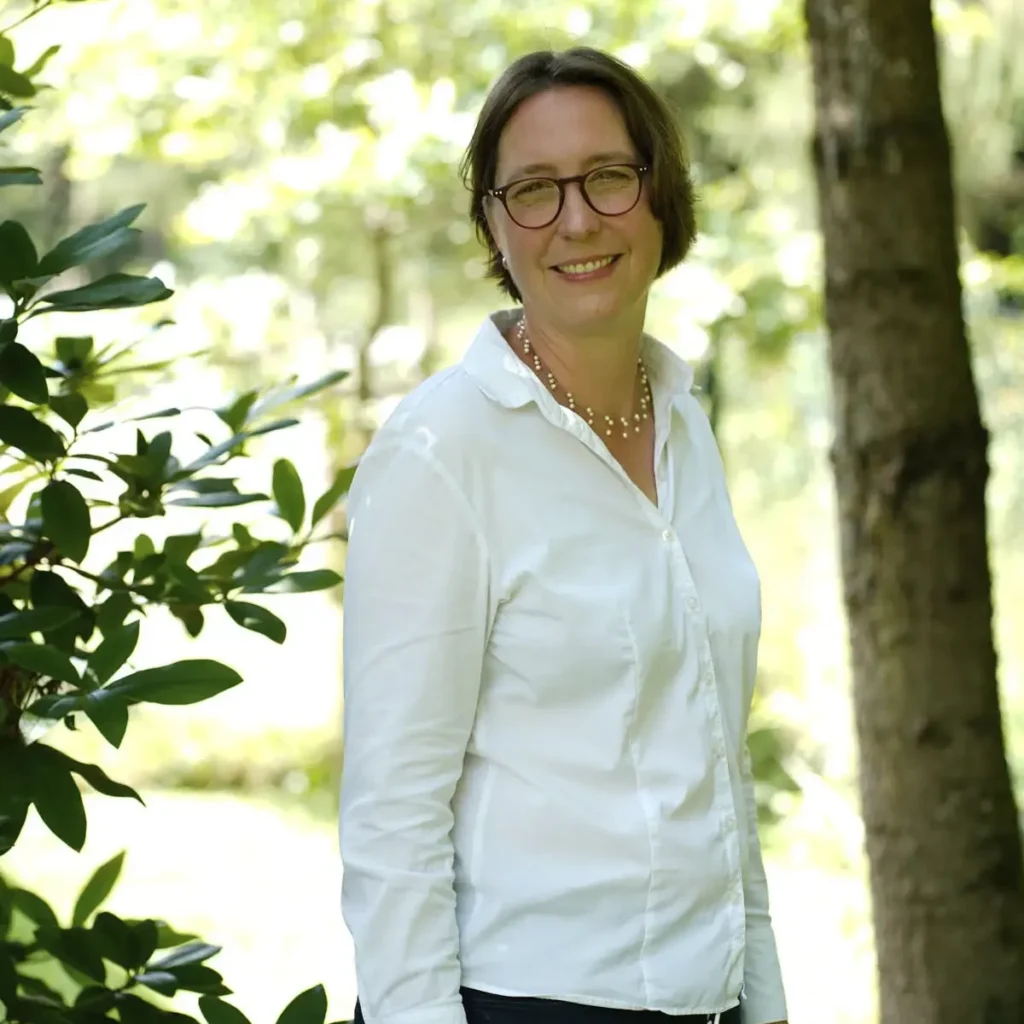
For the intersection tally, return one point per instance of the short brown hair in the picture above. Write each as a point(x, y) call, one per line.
point(649, 122)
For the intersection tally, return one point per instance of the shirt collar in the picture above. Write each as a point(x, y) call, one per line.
point(506, 379)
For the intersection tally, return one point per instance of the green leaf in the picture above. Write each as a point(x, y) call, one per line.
point(70, 408)
point(168, 937)
point(91, 243)
point(11, 117)
point(44, 660)
point(42, 61)
point(6, 52)
point(95, 999)
point(19, 176)
point(288, 493)
point(66, 519)
point(97, 889)
point(302, 582)
point(13, 812)
point(208, 485)
point(35, 908)
point(309, 1007)
point(55, 794)
point(159, 981)
point(15, 84)
point(293, 394)
point(334, 493)
point(145, 936)
point(115, 291)
point(263, 566)
point(258, 619)
point(114, 940)
point(117, 647)
point(180, 547)
point(199, 978)
point(8, 331)
point(23, 374)
point(42, 991)
point(216, 1011)
point(18, 256)
point(99, 780)
point(182, 682)
point(111, 721)
point(193, 953)
point(133, 1010)
point(77, 948)
point(8, 494)
point(235, 414)
point(73, 351)
point(230, 445)
point(224, 499)
point(48, 588)
point(21, 430)
point(113, 612)
point(34, 620)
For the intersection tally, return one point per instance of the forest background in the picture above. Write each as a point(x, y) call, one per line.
point(298, 162)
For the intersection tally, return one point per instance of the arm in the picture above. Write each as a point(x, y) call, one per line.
point(765, 999)
point(416, 612)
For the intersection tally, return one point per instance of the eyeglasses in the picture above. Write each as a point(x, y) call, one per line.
point(536, 202)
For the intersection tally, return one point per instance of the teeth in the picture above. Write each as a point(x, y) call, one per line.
point(585, 268)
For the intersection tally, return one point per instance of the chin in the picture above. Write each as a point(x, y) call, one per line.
point(592, 311)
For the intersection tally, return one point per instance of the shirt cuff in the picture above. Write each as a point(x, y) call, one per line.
point(763, 1005)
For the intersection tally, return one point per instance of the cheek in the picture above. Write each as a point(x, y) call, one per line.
point(649, 238)
point(527, 247)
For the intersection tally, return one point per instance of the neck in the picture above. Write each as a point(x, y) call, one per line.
point(599, 369)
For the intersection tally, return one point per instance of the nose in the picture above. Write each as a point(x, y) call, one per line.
point(577, 218)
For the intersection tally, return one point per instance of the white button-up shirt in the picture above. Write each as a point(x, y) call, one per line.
point(546, 785)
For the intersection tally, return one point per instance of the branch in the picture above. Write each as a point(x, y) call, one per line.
point(40, 552)
point(25, 17)
point(118, 585)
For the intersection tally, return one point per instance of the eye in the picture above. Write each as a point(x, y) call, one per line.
point(531, 187)
point(612, 175)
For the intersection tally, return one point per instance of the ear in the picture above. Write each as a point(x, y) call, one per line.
point(495, 224)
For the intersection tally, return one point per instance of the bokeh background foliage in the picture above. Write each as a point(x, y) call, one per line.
point(296, 165)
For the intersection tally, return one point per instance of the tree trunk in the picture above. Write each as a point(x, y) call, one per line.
point(911, 468)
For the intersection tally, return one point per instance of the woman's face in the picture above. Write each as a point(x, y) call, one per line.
point(564, 131)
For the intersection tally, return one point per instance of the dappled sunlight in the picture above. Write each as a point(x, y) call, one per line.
point(299, 170)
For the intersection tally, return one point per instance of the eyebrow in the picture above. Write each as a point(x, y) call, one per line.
point(614, 156)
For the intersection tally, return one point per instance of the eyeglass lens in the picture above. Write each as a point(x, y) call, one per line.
point(536, 202)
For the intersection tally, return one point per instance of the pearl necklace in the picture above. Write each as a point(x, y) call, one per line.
point(611, 423)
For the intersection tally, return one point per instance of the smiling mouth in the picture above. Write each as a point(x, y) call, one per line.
point(581, 267)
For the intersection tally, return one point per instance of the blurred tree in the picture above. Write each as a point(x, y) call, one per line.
point(911, 468)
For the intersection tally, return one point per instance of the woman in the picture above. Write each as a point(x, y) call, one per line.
point(551, 621)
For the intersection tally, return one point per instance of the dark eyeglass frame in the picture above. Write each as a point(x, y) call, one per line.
point(579, 179)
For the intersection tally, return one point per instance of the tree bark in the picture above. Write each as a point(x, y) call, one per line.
point(910, 464)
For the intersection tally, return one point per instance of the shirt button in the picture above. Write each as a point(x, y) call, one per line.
point(666, 536)
point(730, 822)
point(692, 603)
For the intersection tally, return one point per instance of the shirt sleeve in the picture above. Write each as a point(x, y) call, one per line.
point(415, 624)
point(764, 996)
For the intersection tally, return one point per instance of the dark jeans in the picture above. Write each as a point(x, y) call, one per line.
point(485, 1008)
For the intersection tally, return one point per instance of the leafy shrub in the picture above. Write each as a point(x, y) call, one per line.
point(69, 627)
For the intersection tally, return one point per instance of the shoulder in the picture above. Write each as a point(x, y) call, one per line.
point(441, 419)
point(448, 426)
point(444, 401)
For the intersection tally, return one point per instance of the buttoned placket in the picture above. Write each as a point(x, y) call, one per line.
point(696, 620)
point(660, 516)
